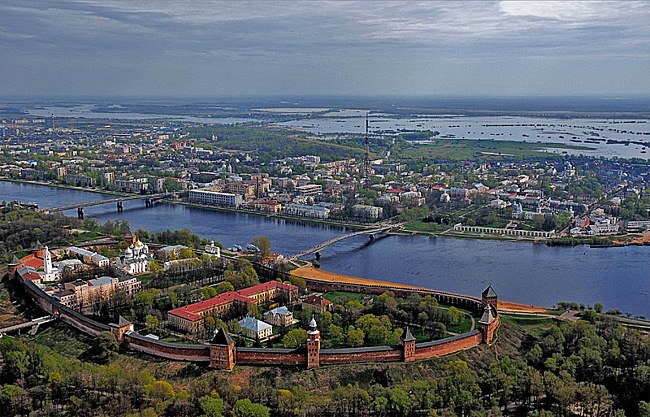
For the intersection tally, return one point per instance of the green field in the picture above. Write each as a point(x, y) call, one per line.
point(466, 149)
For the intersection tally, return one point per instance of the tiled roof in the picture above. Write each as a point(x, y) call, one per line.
point(34, 263)
point(282, 311)
point(489, 292)
point(254, 324)
point(316, 300)
point(260, 288)
point(191, 312)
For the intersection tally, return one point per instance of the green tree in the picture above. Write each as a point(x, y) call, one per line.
point(599, 307)
point(355, 337)
point(145, 298)
point(295, 338)
point(152, 323)
point(210, 324)
point(18, 363)
point(264, 245)
point(208, 292)
point(160, 389)
point(211, 406)
point(400, 401)
point(223, 287)
point(455, 316)
point(246, 408)
point(644, 409)
point(104, 346)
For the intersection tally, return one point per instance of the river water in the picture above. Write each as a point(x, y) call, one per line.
point(520, 272)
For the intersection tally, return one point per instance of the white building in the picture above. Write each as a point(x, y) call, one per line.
point(214, 198)
point(136, 259)
point(279, 316)
point(498, 203)
point(255, 329)
point(212, 249)
point(137, 185)
point(303, 210)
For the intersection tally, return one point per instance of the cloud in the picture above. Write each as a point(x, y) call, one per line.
point(313, 43)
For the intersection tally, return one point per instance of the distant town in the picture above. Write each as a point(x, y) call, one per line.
point(531, 196)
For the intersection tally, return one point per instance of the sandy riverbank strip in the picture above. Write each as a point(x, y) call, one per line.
point(320, 275)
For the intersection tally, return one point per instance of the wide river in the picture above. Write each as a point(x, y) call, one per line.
point(520, 272)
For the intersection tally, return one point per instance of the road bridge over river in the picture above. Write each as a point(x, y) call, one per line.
point(148, 198)
point(382, 228)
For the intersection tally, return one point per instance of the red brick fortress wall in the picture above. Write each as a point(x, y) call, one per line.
point(267, 356)
point(442, 347)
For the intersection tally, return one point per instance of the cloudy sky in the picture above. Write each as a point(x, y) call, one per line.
point(368, 47)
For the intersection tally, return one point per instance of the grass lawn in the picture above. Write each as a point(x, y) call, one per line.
point(464, 326)
point(341, 297)
point(536, 326)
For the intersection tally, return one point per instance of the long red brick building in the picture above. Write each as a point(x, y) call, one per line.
point(191, 318)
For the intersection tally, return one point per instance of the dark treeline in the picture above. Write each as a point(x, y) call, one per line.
point(21, 229)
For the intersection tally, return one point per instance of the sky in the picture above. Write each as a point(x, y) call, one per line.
point(380, 48)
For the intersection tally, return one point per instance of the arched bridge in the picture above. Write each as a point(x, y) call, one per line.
point(323, 245)
point(149, 198)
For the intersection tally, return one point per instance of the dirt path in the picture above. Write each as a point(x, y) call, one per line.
point(317, 274)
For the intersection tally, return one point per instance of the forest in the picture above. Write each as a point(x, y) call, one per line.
point(592, 367)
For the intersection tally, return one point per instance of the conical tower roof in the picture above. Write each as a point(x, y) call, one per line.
point(407, 336)
point(488, 316)
point(38, 246)
point(489, 292)
point(14, 261)
point(221, 337)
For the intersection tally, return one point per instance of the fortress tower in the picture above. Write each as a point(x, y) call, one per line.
point(313, 345)
point(222, 350)
point(408, 344)
point(489, 297)
point(13, 266)
point(129, 238)
point(490, 319)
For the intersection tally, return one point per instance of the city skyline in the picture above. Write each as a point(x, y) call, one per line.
point(332, 48)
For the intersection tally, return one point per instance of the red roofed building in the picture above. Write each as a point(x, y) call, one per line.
point(318, 304)
point(35, 263)
point(191, 317)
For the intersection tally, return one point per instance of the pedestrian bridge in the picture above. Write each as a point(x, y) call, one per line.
point(33, 325)
point(323, 245)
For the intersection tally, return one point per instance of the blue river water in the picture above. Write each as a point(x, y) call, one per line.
point(520, 272)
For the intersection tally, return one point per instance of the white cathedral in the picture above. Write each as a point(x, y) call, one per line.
point(135, 259)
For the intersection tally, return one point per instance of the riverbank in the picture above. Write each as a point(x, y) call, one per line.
point(303, 220)
point(66, 187)
point(324, 276)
